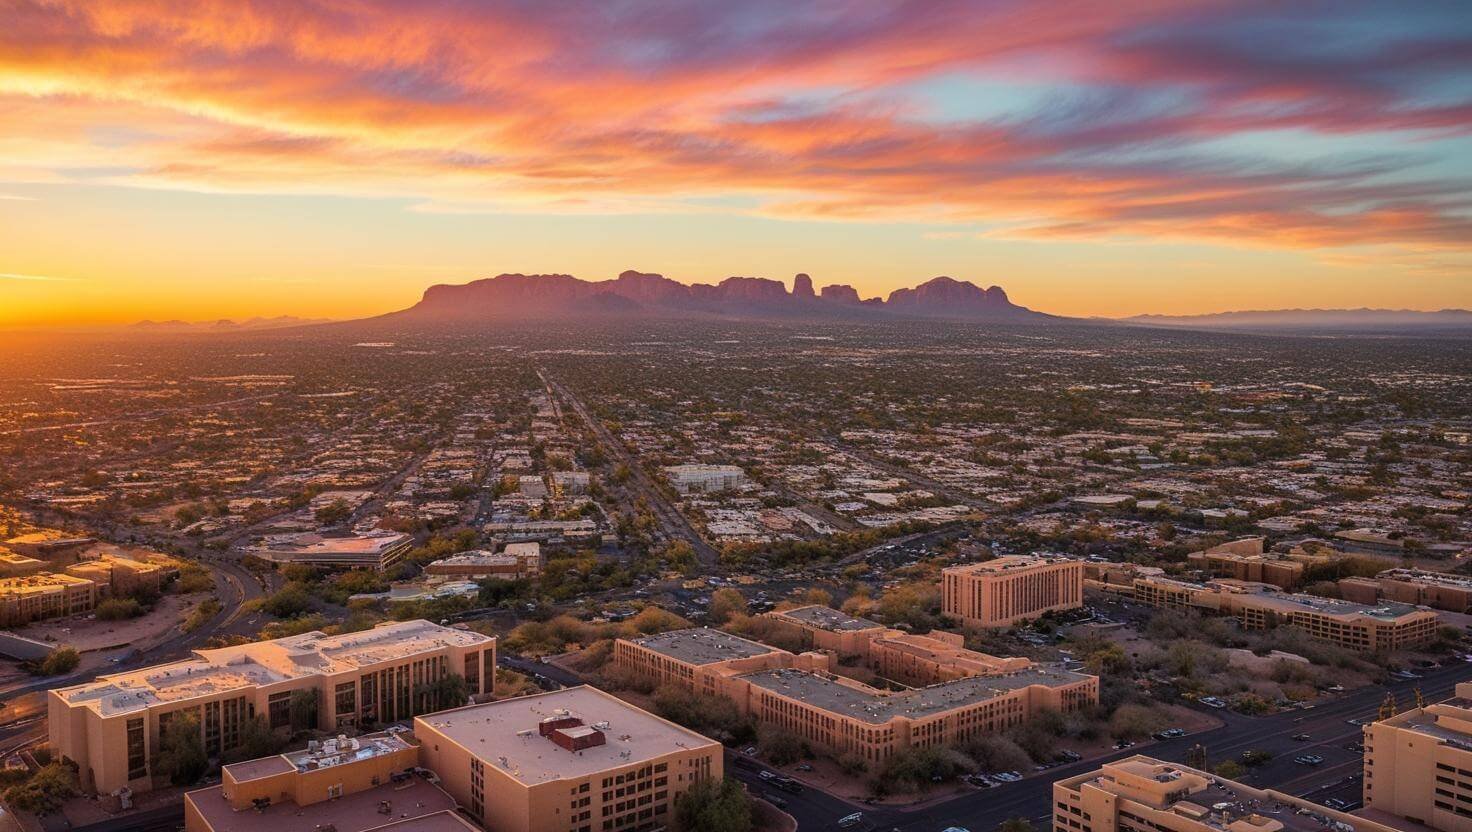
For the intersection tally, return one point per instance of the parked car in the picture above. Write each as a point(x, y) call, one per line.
point(850, 821)
point(767, 775)
point(1301, 738)
point(1213, 702)
point(1308, 759)
point(774, 800)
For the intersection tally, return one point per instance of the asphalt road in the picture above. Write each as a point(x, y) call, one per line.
point(1327, 726)
point(674, 523)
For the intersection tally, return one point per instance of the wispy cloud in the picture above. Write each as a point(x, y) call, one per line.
point(16, 198)
point(39, 277)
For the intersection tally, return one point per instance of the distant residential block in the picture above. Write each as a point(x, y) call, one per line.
point(1004, 591)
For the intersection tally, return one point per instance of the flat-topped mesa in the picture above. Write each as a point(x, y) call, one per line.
point(634, 292)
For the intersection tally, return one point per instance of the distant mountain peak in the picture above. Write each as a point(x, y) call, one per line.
point(635, 292)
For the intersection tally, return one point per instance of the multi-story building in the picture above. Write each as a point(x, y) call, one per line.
point(13, 565)
point(1245, 560)
point(377, 550)
point(696, 479)
point(123, 576)
point(1364, 627)
point(1418, 764)
point(1004, 591)
point(908, 658)
point(347, 785)
point(111, 726)
point(1142, 794)
point(573, 760)
point(47, 595)
point(517, 560)
point(1437, 590)
point(843, 716)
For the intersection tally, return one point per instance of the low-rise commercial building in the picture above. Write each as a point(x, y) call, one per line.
point(697, 479)
point(798, 693)
point(1437, 590)
point(1004, 591)
point(110, 727)
point(377, 550)
point(1364, 627)
point(123, 576)
point(1245, 560)
point(1418, 764)
point(46, 595)
point(516, 561)
point(1142, 794)
point(572, 760)
point(364, 784)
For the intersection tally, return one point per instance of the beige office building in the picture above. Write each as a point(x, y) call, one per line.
point(1418, 764)
point(844, 716)
point(1245, 560)
point(573, 760)
point(47, 595)
point(1438, 590)
point(1142, 794)
point(1363, 627)
point(110, 727)
point(1004, 591)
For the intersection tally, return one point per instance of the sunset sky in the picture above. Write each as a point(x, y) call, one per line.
point(332, 158)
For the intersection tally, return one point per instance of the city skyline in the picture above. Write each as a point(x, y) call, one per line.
point(334, 161)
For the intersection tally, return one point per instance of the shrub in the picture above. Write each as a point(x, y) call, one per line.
point(45, 790)
point(59, 661)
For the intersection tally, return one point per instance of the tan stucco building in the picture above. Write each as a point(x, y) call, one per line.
point(1363, 627)
point(47, 595)
point(1418, 764)
point(366, 784)
point(1004, 591)
point(1142, 794)
point(1438, 590)
point(572, 760)
point(111, 726)
point(1245, 560)
point(844, 716)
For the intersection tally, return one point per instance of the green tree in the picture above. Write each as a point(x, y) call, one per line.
point(713, 806)
point(59, 661)
point(45, 790)
point(118, 609)
point(292, 599)
point(1230, 769)
point(257, 740)
point(180, 755)
point(334, 512)
point(1016, 825)
point(449, 691)
point(304, 709)
point(724, 603)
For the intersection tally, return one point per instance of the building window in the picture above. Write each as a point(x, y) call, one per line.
point(346, 703)
point(137, 758)
point(278, 709)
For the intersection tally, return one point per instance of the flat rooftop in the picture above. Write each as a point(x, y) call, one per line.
point(1010, 563)
point(312, 543)
point(263, 663)
point(414, 806)
point(504, 734)
point(702, 645)
point(876, 707)
point(828, 618)
point(1419, 576)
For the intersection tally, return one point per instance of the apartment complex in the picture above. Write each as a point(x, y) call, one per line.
point(111, 726)
point(1245, 560)
point(696, 479)
point(843, 716)
point(1418, 764)
point(1142, 794)
point(516, 561)
point(573, 760)
point(1437, 590)
point(47, 595)
point(363, 784)
point(376, 550)
point(1364, 627)
point(1004, 591)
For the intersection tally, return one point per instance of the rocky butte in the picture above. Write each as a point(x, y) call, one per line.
point(641, 293)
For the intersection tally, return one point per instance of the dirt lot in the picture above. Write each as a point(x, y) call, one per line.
point(90, 634)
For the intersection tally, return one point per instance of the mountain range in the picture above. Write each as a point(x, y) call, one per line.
point(634, 293)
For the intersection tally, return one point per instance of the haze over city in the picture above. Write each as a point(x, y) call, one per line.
point(333, 160)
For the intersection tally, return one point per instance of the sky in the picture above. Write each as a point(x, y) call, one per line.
point(333, 158)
